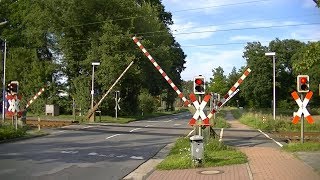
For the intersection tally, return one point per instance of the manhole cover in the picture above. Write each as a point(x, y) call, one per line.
point(211, 172)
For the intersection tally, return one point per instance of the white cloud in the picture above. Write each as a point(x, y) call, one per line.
point(188, 30)
point(202, 64)
point(245, 38)
point(310, 33)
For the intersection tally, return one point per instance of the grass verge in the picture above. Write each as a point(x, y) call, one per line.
point(215, 154)
point(9, 132)
point(307, 146)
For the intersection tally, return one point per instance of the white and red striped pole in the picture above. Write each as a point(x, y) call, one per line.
point(233, 88)
point(35, 97)
point(164, 75)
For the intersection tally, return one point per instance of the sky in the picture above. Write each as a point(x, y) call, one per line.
point(213, 33)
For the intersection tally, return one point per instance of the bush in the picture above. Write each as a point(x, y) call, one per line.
point(147, 103)
point(9, 132)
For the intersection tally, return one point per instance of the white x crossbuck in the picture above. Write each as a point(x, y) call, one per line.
point(14, 105)
point(199, 109)
point(302, 107)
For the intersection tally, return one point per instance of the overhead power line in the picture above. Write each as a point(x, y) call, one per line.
point(235, 29)
point(217, 6)
point(178, 11)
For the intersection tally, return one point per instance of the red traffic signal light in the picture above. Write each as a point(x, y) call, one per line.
point(198, 81)
point(303, 83)
point(199, 85)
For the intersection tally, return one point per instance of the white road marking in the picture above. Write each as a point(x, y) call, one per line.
point(93, 154)
point(56, 132)
point(134, 129)
point(167, 120)
point(113, 136)
point(270, 138)
point(221, 134)
point(136, 157)
point(176, 124)
point(69, 152)
point(86, 127)
point(121, 156)
point(148, 125)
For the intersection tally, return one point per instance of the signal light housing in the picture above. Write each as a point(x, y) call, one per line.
point(199, 86)
point(303, 83)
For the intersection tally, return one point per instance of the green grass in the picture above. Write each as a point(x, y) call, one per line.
point(255, 120)
point(9, 132)
point(307, 146)
point(215, 154)
point(220, 121)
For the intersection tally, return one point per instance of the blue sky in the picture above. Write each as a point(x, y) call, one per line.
point(215, 19)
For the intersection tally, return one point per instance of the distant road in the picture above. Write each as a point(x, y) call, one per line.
point(90, 152)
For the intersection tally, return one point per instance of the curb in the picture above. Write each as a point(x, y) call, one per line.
point(146, 169)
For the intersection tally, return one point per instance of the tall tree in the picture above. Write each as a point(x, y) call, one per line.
point(218, 84)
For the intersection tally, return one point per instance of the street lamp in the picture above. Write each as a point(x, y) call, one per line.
point(92, 90)
point(4, 80)
point(4, 75)
point(273, 54)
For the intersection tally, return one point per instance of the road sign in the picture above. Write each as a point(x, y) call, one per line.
point(14, 105)
point(302, 107)
point(117, 99)
point(199, 109)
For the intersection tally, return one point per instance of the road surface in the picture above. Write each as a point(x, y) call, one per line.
point(105, 151)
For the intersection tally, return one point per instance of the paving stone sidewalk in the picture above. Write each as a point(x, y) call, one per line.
point(263, 163)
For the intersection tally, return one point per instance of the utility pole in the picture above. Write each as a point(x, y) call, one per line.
point(4, 80)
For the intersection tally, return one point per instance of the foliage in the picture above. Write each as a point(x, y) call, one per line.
point(147, 103)
point(292, 58)
point(215, 154)
point(9, 132)
point(218, 82)
point(55, 44)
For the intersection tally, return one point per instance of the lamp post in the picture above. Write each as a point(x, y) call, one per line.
point(4, 74)
point(92, 85)
point(4, 80)
point(273, 54)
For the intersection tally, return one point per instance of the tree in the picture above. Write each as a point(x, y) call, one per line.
point(258, 86)
point(218, 84)
point(306, 61)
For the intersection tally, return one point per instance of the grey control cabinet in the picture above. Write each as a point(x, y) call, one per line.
point(196, 147)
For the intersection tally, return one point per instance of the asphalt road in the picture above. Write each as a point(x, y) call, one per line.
point(239, 136)
point(104, 151)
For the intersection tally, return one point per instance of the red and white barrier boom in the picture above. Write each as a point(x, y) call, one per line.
point(164, 75)
point(35, 97)
point(302, 107)
point(199, 107)
point(230, 92)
